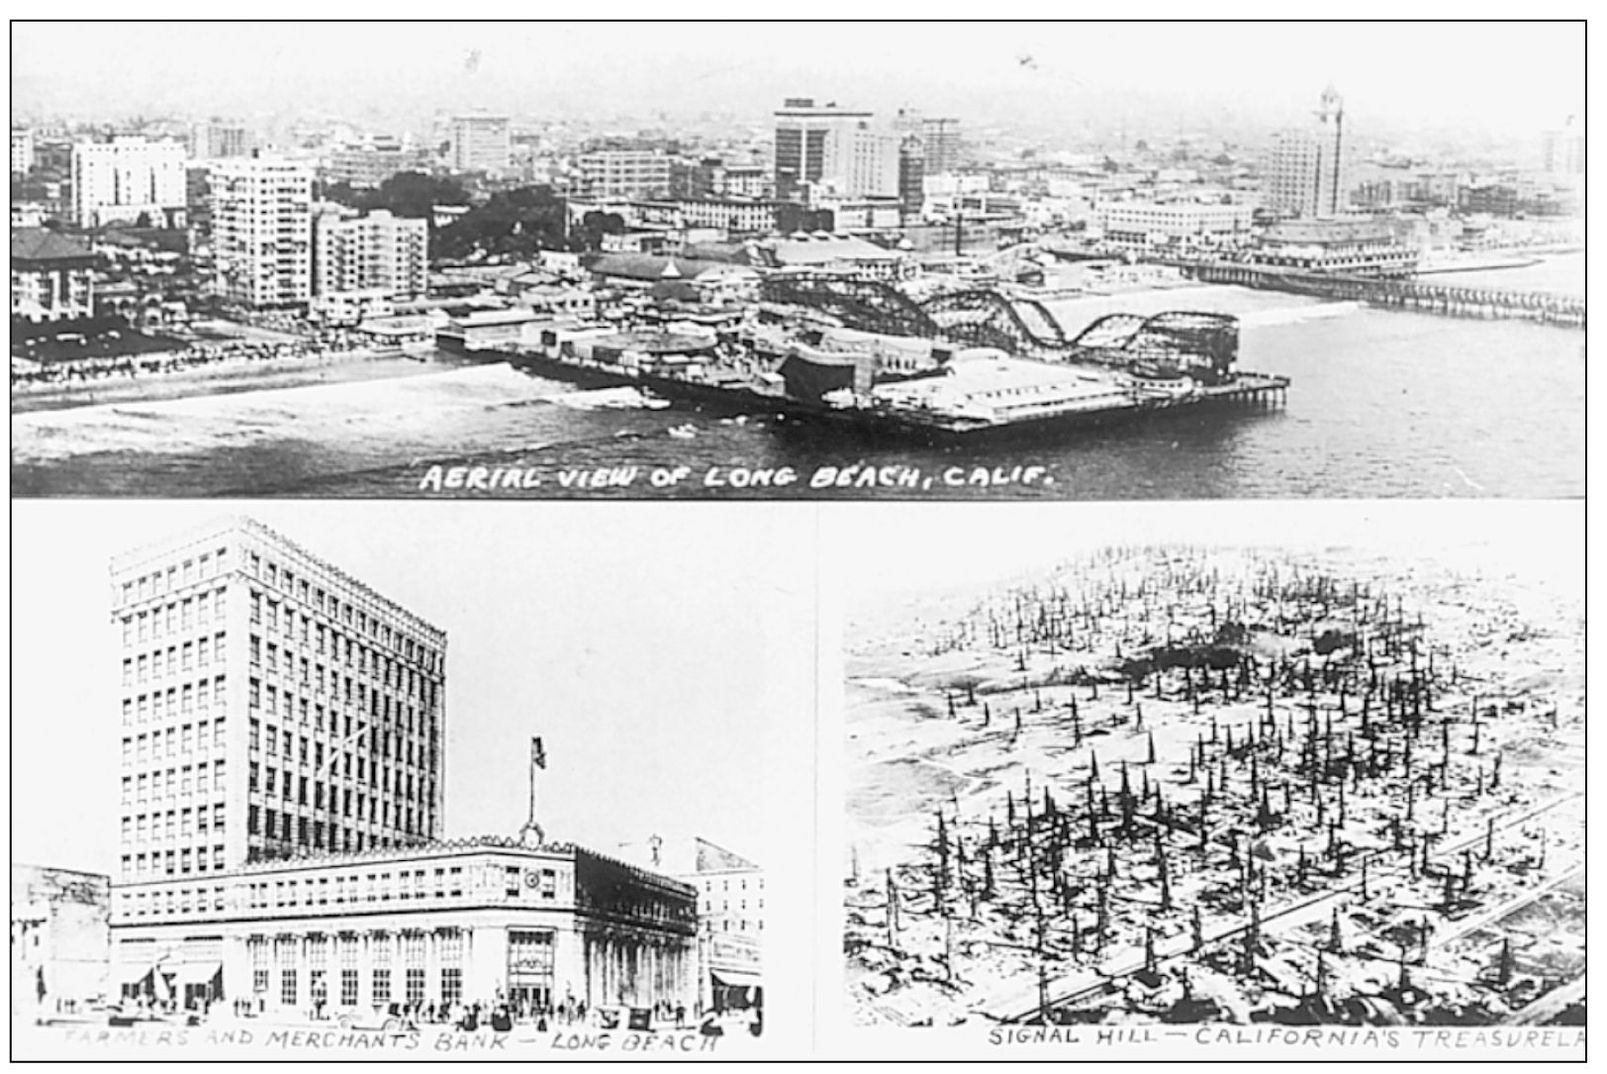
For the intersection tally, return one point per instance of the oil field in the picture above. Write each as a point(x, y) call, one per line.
point(1189, 784)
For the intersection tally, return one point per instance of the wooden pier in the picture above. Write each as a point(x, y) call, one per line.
point(1445, 299)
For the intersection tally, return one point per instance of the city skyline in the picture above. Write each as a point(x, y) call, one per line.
point(1494, 79)
point(520, 630)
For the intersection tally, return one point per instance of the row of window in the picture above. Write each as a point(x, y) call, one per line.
point(407, 815)
point(289, 952)
point(284, 830)
point(398, 717)
point(380, 986)
point(338, 610)
point(402, 885)
point(174, 740)
point(173, 901)
point(380, 672)
point(384, 742)
point(178, 575)
point(176, 701)
point(179, 780)
point(178, 659)
point(181, 861)
point(725, 884)
point(173, 823)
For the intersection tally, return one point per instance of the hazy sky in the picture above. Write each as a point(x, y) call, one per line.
point(1505, 79)
point(971, 544)
point(663, 651)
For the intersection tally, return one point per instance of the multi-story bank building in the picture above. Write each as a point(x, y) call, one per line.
point(282, 758)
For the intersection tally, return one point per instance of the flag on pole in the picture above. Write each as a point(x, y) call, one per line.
point(538, 752)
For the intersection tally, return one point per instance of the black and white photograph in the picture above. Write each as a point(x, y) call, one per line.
point(879, 260)
point(393, 782)
point(1153, 782)
point(843, 538)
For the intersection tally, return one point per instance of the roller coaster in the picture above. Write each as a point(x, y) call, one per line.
point(1162, 343)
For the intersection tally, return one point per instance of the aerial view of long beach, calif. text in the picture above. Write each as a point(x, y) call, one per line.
point(891, 261)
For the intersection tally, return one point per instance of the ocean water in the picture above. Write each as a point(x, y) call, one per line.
point(1383, 404)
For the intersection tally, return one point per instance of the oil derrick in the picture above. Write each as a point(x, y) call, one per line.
point(892, 911)
point(1165, 872)
point(1252, 941)
point(1504, 963)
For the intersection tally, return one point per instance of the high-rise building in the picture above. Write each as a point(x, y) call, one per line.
point(1306, 168)
point(21, 151)
point(371, 162)
point(480, 144)
point(125, 179)
point(847, 152)
point(216, 139)
point(262, 231)
point(625, 173)
point(376, 252)
point(912, 173)
point(941, 138)
point(272, 705)
point(283, 736)
point(1562, 151)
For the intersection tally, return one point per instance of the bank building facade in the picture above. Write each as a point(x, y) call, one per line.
point(281, 793)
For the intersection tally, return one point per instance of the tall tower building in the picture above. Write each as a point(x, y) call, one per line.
point(217, 138)
point(272, 705)
point(827, 144)
point(262, 231)
point(941, 138)
point(378, 251)
point(1562, 151)
point(282, 756)
point(1306, 168)
point(480, 144)
point(126, 178)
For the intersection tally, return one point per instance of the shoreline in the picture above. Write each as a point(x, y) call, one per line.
point(222, 378)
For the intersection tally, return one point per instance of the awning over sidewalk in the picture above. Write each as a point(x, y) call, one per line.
point(198, 972)
point(736, 979)
point(134, 973)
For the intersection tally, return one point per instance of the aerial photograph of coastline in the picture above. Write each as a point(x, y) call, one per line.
point(1160, 782)
point(798, 260)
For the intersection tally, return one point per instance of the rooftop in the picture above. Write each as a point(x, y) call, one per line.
point(42, 244)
